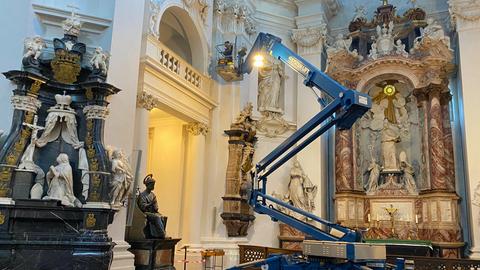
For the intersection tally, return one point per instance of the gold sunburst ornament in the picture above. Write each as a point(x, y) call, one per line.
point(389, 90)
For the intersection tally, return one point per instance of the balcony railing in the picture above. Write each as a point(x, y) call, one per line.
point(176, 66)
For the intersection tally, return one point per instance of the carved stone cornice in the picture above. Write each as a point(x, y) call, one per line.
point(25, 103)
point(95, 112)
point(147, 101)
point(196, 128)
point(310, 36)
point(464, 10)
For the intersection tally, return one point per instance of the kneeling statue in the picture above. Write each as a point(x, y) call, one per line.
point(147, 202)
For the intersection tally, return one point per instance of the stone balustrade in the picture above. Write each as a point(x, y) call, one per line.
point(175, 66)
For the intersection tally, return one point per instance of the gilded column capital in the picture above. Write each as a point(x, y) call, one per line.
point(196, 128)
point(147, 101)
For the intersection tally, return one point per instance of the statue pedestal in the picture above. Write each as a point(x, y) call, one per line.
point(290, 238)
point(154, 254)
point(41, 234)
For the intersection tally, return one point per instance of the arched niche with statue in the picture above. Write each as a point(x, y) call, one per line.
point(399, 155)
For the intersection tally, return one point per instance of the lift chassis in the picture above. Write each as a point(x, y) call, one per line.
point(332, 246)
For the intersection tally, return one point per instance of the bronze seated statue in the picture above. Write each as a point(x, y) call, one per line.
point(147, 203)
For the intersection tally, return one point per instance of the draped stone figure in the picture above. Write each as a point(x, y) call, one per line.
point(301, 190)
point(60, 182)
point(374, 169)
point(147, 202)
point(122, 178)
point(390, 137)
point(408, 173)
point(270, 86)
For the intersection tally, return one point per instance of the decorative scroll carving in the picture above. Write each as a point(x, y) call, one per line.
point(308, 37)
point(466, 10)
point(25, 103)
point(147, 101)
point(197, 128)
point(234, 16)
point(95, 112)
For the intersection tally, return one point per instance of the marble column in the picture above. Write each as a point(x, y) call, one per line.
point(447, 138)
point(309, 38)
point(343, 161)
point(194, 185)
point(438, 172)
point(422, 104)
point(125, 51)
point(466, 16)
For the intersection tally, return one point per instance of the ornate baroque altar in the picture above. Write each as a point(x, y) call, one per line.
point(400, 154)
point(57, 191)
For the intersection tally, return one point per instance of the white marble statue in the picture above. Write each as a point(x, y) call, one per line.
point(340, 44)
point(400, 48)
point(385, 39)
point(154, 18)
point(360, 13)
point(434, 31)
point(26, 162)
point(122, 177)
point(34, 47)
point(270, 87)
point(301, 191)
point(408, 173)
point(374, 169)
point(284, 198)
point(60, 182)
point(390, 137)
point(373, 52)
point(99, 60)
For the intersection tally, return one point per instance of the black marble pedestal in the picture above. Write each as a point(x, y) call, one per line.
point(154, 254)
point(43, 235)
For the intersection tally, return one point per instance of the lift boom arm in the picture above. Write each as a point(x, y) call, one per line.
point(345, 107)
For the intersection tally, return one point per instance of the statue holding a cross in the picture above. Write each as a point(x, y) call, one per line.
point(26, 162)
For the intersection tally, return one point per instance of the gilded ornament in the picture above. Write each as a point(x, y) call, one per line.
point(96, 181)
point(94, 164)
point(90, 221)
point(89, 93)
point(91, 153)
point(29, 117)
point(65, 66)
point(35, 87)
point(11, 159)
point(90, 124)
point(2, 218)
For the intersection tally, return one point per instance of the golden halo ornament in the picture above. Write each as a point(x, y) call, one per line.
point(389, 90)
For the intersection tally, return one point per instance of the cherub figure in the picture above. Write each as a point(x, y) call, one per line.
point(400, 48)
point(34, 47)
point(99, 60)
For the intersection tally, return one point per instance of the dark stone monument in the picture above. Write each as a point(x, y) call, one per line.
point(54, 170)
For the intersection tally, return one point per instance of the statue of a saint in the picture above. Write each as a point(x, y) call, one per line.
point(435, 31)
point(390, 137)
point(122, 178)
point(270, 86)
point(60, 182)
point(374, 169)
point(408, 173)
point(301, 190)
point(147, 202)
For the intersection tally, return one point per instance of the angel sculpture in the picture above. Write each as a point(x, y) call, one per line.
point(434, 31)
point(360, 13)
point(122, 177)
point(34, 47)
point(99, 60)
point(400, 48)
